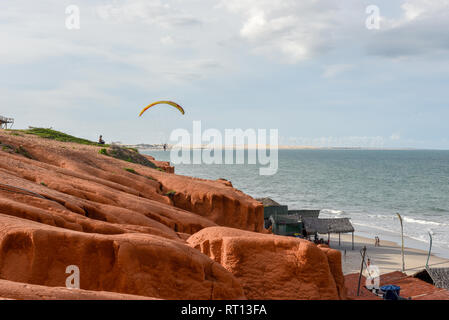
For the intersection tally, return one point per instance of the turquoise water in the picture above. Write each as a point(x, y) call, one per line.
point(368, 186)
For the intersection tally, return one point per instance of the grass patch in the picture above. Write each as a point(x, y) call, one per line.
point(131, 170)
point(59, 136)
point(129, 155)
point(21, 150)
point(13, 149)
point(44, 184)
point(171, 193)
point(103, 151)
point(133, 149)
point(160, 169)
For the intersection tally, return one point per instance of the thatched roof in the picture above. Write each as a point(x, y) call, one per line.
point(268, 202)
point(337, 225)
point(440, 277)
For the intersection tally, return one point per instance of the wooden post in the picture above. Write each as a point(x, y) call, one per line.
point(361, 269)
point(352, 240)
point(339, 239)
point(402, 237)
point(430, 250)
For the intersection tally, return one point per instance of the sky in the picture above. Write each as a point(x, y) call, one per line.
point(311, 69)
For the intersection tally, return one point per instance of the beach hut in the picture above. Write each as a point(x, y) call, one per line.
point(286, 225)
point(4, 122)
point(313, 226)
point(268, 202)
point(271, 208)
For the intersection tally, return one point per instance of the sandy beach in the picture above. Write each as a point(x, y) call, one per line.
point(387, 257)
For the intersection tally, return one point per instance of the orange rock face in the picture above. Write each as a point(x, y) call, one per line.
point(25, 291)
point(273, 267)
point(137, 232)
point(217, 201)
point(132, 263)
point(66, 204)
point(164, 165)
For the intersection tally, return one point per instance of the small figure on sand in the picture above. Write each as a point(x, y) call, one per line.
point(165, 146)
point(100, 140)
point(376, 241)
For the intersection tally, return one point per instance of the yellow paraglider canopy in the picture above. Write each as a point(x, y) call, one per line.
point(177, 106)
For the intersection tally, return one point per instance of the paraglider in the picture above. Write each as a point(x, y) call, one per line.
point(173, 104)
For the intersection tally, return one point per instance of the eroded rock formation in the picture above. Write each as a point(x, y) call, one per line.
point(138, 231)
point(274, 267)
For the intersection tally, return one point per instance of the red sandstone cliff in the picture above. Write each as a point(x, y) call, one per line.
point(274, 267)
point(125, 225)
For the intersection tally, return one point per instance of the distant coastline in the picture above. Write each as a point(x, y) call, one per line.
point(144, 146)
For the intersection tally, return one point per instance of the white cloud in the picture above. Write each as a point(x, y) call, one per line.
point(146, 11)
point(414, 9)
point(167, 40)
point(420, 29)
point(295, 29)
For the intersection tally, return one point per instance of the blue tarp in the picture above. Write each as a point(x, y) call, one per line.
point(391, 292)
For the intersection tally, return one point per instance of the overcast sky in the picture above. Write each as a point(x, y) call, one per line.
point(311, 69)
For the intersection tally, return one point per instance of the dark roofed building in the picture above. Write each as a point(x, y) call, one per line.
point(271, 208)
point(268, 202)
point(285, 225)
point(305, 213)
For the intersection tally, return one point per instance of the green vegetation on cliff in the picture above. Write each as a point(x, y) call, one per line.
point(59, 136)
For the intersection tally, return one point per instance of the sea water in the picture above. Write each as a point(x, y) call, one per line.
point(368, 186)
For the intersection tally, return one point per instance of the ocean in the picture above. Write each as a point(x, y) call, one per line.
point(368, 186)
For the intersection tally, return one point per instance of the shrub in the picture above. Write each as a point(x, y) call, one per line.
point(131, 170)
point(171, 193)
point(103, 151)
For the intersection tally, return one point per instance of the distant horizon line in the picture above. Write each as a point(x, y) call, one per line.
point(283, 147)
